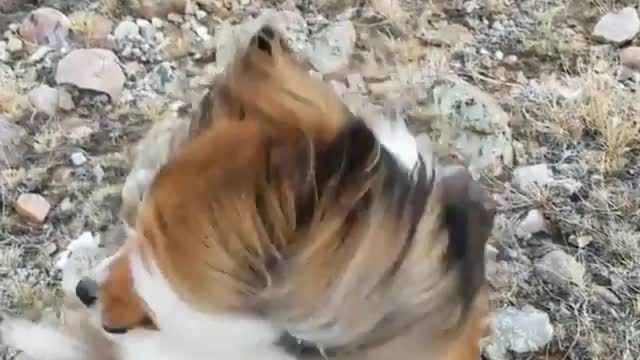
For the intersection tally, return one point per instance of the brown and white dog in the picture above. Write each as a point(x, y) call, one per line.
point(288, 228)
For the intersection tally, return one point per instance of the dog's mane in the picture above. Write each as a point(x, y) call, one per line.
point(288, 206)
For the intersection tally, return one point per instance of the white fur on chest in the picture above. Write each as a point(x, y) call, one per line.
point(207, 336)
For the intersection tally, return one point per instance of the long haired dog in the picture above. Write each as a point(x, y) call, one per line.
point(290, 229)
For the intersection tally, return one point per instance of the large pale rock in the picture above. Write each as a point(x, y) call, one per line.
point(46, 26)
point(618, 27)
point(470, 121)
point(518, 330)
point(92, 69)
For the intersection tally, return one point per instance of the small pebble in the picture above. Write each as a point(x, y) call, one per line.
point(157, 23)
point(78, 158)
point(33, 207)
point(14, 45)
point(200, 14)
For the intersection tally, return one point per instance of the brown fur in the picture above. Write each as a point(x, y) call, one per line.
point(288, 208)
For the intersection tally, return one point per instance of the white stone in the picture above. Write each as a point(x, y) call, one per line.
point(532, 175)
point(44, 99)
point(560, 268)
point(14, 45)
point(630, 57)
point(126, 29)
point(518, 330)
point(78, 158)
point(618, 27)
point(65, 100)
point(532, 224)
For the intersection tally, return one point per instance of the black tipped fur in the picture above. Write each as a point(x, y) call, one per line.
point(469, 224)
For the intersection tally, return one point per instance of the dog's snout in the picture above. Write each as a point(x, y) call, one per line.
point(87, 291)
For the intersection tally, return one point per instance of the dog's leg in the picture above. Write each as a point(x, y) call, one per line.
point(38, 341)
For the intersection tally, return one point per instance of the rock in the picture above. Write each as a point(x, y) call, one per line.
point(630, 57)
point(166, 79)
point(606, 295)
point(78, 158)
point(229, 38)
point(45, 99)
point(12, 139)
point(14, 45)
point(92, 69)
point(46, 26)
point(581, 241)
point(511, 59)
point(4, 53)
point(618, 27)
point(157, 8)
point(147, 30)
point(126, 29)
point(560, 268)
point(331, 49)
point(449, 35)
point(472, 121)
point(157, 23)
point(526, 177)
point(356, 82)
point(39, 54)
point(532, 224)
point(65, 100)
point(33, 207)
point(520, 331)
point(51, 248)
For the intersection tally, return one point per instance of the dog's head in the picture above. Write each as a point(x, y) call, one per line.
point(291, 209)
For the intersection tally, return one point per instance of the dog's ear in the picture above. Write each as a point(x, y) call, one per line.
point(267, 82)
point(469, 211)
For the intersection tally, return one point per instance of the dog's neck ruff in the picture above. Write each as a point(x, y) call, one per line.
point(424, 177)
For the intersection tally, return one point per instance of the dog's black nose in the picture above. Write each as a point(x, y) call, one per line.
point(87, 291)
point(114, 329)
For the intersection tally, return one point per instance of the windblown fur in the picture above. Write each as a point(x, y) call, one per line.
point(288, 212)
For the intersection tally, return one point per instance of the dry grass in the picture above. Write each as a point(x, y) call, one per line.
point(392, 11)
point(600, 107)
point(11, 101)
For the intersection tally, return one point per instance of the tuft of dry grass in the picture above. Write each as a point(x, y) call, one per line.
point(392, 11)
point(601, 107)
point(11, 101)
point(112, 7)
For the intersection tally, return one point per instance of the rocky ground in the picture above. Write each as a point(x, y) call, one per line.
point(539, 97)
